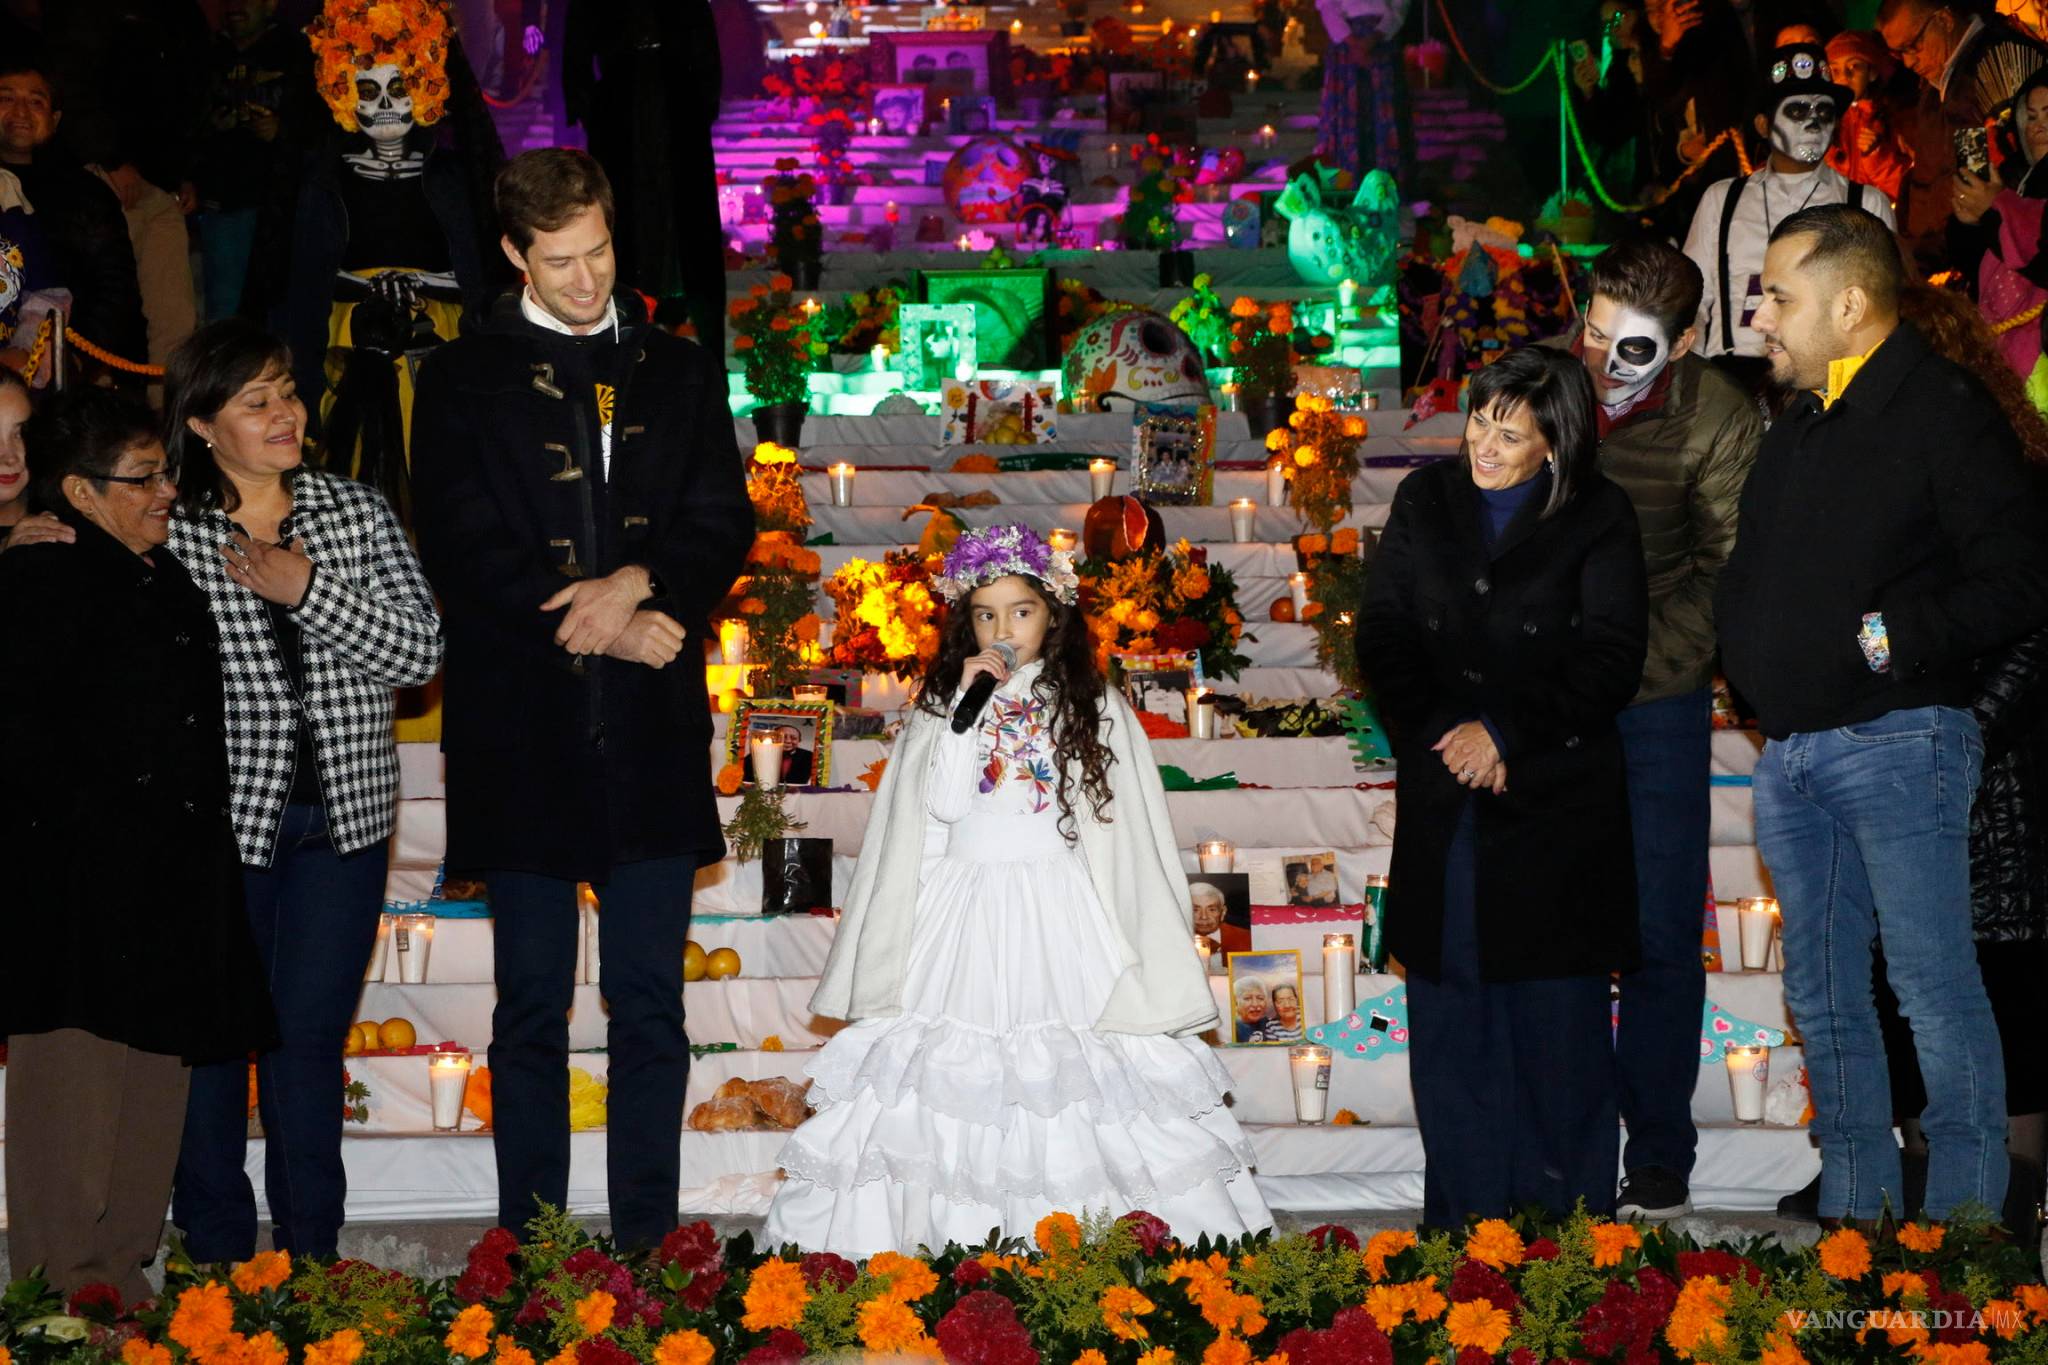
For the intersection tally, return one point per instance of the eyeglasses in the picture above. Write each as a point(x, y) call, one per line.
point(1919, 37)
point(166, 479)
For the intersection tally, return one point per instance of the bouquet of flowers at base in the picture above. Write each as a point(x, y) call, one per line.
point(887, 617)
point(1162, 601)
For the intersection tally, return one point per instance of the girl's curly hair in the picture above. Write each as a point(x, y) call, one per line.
point(1069, 684)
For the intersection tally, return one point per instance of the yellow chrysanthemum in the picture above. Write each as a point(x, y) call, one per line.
point(264, 1270)
point(470, 1334)
point(1699, 1318)
point(205, 1314)
point(343, 1348)
point(1496, 1244)
point(684, 1348)
point(910, 1279)
point(1424, 1301)
point(1122, 1306)
point(1918, 1237)
point(1612, 1241)
point(1382, 1247)
point(1388, 1305)
point(1844, 1254)
point(1477, 1323)
point(775, 1297)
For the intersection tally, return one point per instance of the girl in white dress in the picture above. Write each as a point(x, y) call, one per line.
point(1017, 958)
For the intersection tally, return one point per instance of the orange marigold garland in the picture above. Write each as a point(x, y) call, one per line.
point(351, 36)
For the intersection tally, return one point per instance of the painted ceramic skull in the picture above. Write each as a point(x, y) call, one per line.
point(1329, 242)
point(383, 104)
point(985, 179)
point(1132, 357)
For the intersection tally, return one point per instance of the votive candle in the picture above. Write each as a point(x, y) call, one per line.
point(1216, 855)
point(766, 752)
point(1297, 587)
point(447, 1081)
point(1101, 478)
point(1340, 976)
point(1749, 1072)
point(841, 475)
point(1060, 538)
point(1276, 483)
point(1242, 514)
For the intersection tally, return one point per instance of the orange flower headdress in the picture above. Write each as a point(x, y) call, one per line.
point(351, 36)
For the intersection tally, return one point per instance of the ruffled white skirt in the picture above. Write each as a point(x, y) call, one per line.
point(991, 1102)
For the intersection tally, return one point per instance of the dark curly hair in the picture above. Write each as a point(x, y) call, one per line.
point(1069, 684)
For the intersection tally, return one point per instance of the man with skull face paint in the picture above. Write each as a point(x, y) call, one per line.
point(1678, 435)
point(1802, 107)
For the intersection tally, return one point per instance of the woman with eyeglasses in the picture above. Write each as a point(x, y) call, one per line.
point(322, 611)
point(127, 955)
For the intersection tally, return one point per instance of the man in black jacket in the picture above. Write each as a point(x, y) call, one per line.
point(581, 509)
point(1888, 537)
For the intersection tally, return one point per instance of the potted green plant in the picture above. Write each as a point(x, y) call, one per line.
point(777, 343)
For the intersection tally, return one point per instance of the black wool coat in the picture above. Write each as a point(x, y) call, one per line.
point(123, 914)
point(555, 765)
point(1544, 637)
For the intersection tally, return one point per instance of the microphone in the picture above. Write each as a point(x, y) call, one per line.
point(979, 691)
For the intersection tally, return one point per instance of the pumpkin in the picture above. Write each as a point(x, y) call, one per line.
point(1119, 527)
point(1283, 609)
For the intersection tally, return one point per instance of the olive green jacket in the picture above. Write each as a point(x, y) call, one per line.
point(1683, 466)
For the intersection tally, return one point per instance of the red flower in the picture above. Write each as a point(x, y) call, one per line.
point(1328, 1232)
point(694, 1248)
point(1188, 633)
point(602, 1351)
point(783, 1347)
point(1542, 1249)
point(1629, 1319)
point(983, 1329)
point(1472, 1355)
point(1954, 1310)
point(483, 1281)
point(1721, 1265)
point(1153, 1232)
point(702, 1290)
point(969, 1274)
point(95, 1296)
point(1352, 1338)
point(823, 1265)
point(1475, 1281)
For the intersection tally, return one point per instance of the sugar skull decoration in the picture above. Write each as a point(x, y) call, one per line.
point(984, 182)
point(382, 65)
point(1125, 358)
point(1329, 242)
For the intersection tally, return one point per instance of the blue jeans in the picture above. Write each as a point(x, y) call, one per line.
point(227, 239)
point(1866, 830)
point(643, 922)
point(1657, 1049)
point(314, 914)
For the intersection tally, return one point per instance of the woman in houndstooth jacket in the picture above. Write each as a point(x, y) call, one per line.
point(322, 612)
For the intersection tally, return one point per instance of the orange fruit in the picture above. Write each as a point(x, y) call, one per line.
point(693, 960)
point(352, 1044)
point(366, 1029)
point(722, 963)
point(397, 1033)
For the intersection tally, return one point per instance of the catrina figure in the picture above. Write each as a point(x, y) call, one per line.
point(393, 244)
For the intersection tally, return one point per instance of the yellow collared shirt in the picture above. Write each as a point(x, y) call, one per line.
point(1840, 373)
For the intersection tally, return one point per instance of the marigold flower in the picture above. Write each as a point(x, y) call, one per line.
point(1698, 1319)
point(684, 1348)
point(1122, 1306)
point(264, 1349)
point(1611, 1241)
point(2034, 1298)
point(264, 1270)
point(1423, 1299)
point(2004, 1317)
point(1921, 1237)
point(1844, 1254)
point(729, 779)
point(1382, 1247)
point(510, 1352)
point(1904, 1283)
point(1388, 1305)
point(1056, 1232)
point(1304, 456)
point(343, 1348)
point(1244, 307)
point(910, 1279)
point(743, 343)
point(775, 1296)
point(889, 1325)
point(1158, 1355)
point(780, 282)
point(1496, 1244)
point(1477, 1323)
point(470, 1334)
point(1227, 1350)
point(205, 1314)
point(136, 1351)
point(1780, 1350)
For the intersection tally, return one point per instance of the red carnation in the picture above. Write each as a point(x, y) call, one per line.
point(969, 1274)
point(1475, 1281)
point(97, 1295)
point(1630, 1320)
point(823, 1265)
point(1473, 1355)
point(1721, 1265)
point(498, 1243)
point(484, 1280)
point(1183, 633)
point(982, 1329)
point(783, 1347)
point(602, 1351)
point(1352, 1338)
point(702, 1290)
point(1153, 1233)
point(1331, 1232)
point(695, 1248)
point(1959, 1312)
point(1542, 1249)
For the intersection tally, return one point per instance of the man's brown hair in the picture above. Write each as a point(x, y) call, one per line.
point(541, 191)
point(1651, 278)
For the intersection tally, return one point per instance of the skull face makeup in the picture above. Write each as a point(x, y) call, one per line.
point(383, 105)
point(1803, 128)
point(1625, 351)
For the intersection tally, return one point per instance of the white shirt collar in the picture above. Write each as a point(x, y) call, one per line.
point(1948, 71)
point(530, 309)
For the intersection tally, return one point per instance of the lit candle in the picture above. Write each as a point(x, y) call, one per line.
point(817, 29)
point(962, 243)
point(811, 692)
point(766, 752)
point(1060, 538)
point(946, 107)
point(1749, 1072)
point(1201, 714)
point(1216, 855)
point(874, 127)
point(413, 937)
point(1215, 16)
point(1347, 294)
point(1241, 514)
point(841, 475)
point(1016, 28)
point(1166, 27)
point(1115, 153)
point(1297, 587)
point(447, 1079)
point(1251, 81)
point(891, 212)
point(1267, 137)
point(732, 642)
point(1758, 918)
point(1340, 977)
point(1276, 483)
point(1206, 951)
point(878, 358)
point(811, 309)
point(593, 964)
point(1230, 395)
point(1101, 477)
point(1311, 1071)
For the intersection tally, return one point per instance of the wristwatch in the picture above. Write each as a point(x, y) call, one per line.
point(655, 587)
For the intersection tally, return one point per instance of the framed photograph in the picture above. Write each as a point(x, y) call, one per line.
point(950, 62)
point(1127, 94)
point(937, 340)
point(1311, 880)
point(1170, 457)
point(1265, 999)
point(842, 685)
point(901, 108)
point(1222, 907)
point(1157, 683)
point(997, 412)
point(804, 727)
point(1012, 311)
point(973, 114)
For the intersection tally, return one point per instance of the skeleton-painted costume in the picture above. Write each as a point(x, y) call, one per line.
point(389, 251)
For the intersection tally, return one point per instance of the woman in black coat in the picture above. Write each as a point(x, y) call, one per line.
point(1503, 629)
point(124, 953)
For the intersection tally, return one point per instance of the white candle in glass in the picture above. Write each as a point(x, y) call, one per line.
point(766, 752)
point(1205, 950)
point(1347, 295)
point(1757, 917)
point(1242, 515)
point(1340, 976)
point(874, 127)
point(1310, 1066)
point(1216, 855)
point(841, 475)
point(1101, 478)
point(878, 358)
point(375, 970)
point(1276, 483)
point(1749, 1073)
point(811, 692)
point(1297, 587)
point(414, 938)
point(593, 961)
point(447, 1079)
point(732, 642)
point(1201, 714)
point(1060, 538)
